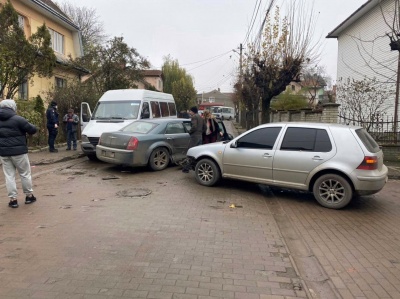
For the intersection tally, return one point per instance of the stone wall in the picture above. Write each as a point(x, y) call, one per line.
point(328, 114)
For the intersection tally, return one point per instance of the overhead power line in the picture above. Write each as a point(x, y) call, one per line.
point(217, 56)
point(252, 21)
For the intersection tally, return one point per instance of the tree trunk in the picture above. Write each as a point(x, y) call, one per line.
point(265, 110)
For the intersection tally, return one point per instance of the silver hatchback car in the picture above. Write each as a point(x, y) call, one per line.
point(333, 161)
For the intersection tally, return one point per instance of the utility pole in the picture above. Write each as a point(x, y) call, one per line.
point(242, 112)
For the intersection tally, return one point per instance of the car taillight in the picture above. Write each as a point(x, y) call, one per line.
point(369, 163)
point(132, 144)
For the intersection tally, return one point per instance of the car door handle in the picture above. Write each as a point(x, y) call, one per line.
point(267, 156)
point(317, 158)
point(169, 138)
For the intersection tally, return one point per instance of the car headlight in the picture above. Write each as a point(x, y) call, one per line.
point(85, 138)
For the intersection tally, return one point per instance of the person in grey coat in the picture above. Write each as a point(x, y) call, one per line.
point(196, 133)
point(14, 151)
point(71, 121)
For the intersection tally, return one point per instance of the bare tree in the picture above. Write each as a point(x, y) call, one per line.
point(88, 21)
point(363, 101)
point(287, 43)
point(313, 80)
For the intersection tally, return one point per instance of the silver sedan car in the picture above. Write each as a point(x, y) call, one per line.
point(153, 142)
point(333, 161)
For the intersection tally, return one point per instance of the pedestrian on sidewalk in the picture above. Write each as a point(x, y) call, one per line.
point(212, 128)
point(52, 125)
point(71, 121)
point(14, 151)
point(196, 133)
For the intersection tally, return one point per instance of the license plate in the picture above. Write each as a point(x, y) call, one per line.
point(108, 154)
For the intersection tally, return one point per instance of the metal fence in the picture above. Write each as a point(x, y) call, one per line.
point(382, 129)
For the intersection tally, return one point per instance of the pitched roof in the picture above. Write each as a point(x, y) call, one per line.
point(152, 73)
point(360, 12)
point(50, 7)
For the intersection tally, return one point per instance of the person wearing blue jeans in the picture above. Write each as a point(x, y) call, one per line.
point(71, 121)
point(52, 125)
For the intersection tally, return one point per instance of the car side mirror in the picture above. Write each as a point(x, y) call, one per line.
point(234, 145)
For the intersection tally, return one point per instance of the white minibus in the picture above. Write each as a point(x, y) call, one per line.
point(118, 108)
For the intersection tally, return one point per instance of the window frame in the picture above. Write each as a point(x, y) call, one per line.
point(55, 41)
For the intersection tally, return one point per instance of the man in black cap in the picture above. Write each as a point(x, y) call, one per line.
point(196, 132)
point(52, 125)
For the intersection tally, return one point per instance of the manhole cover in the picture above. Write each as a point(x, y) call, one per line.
point(135, 192)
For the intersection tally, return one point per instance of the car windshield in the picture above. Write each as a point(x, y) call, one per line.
point(116, 110)
point(142, 127)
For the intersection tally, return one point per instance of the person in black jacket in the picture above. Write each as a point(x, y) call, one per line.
point(13, 151)
point(52, 125)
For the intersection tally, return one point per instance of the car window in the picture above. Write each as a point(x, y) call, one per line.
point(164, 109)
point(263, 138)
point(155, 109)
point(306, 139)
point(139, 127)
point(188, 125)
point(175, 128)
point(172, 109)
point(368, 141)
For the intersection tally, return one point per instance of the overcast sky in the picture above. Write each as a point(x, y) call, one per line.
point(202, 33)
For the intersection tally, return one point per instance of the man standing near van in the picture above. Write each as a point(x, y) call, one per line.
point(71, 121)
point(52, 125)
point(196, 132)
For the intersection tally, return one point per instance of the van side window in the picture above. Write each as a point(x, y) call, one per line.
point(155, 109)
point(145, 110)
point(164, 109)
point(172, 109)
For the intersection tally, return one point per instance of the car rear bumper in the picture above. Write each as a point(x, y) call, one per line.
point(367, 184)
point(115, 156)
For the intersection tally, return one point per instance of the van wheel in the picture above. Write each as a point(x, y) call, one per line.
point(332, 191)
point(159, 159)
point(92, 157)
point(222, 117)
point(230, 118)
point(207, 172)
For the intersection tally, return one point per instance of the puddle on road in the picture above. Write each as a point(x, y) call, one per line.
point(134, 192)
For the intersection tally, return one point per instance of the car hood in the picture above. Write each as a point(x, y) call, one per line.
point(95, 128)
point(206, 148)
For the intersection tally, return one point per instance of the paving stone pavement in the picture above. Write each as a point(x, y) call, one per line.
point(112, 233)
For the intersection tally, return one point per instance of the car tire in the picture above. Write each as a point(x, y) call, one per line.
point(207, 172)
point(230, 118)
point(159, 159)
point(332, 191)
point(222, 118)
point(92, 157)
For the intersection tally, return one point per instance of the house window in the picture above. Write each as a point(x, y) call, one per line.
point(57, 41)
point(23, 90)
point(21, 21)
point(60, 82)
point(211, 99)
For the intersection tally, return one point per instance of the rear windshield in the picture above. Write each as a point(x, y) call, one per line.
point(139, 127)
point(368, 141)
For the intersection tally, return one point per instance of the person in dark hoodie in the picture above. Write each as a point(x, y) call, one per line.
point(52, 125)
point(14, 151)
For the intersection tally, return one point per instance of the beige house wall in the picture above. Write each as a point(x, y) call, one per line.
point(34, 19)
